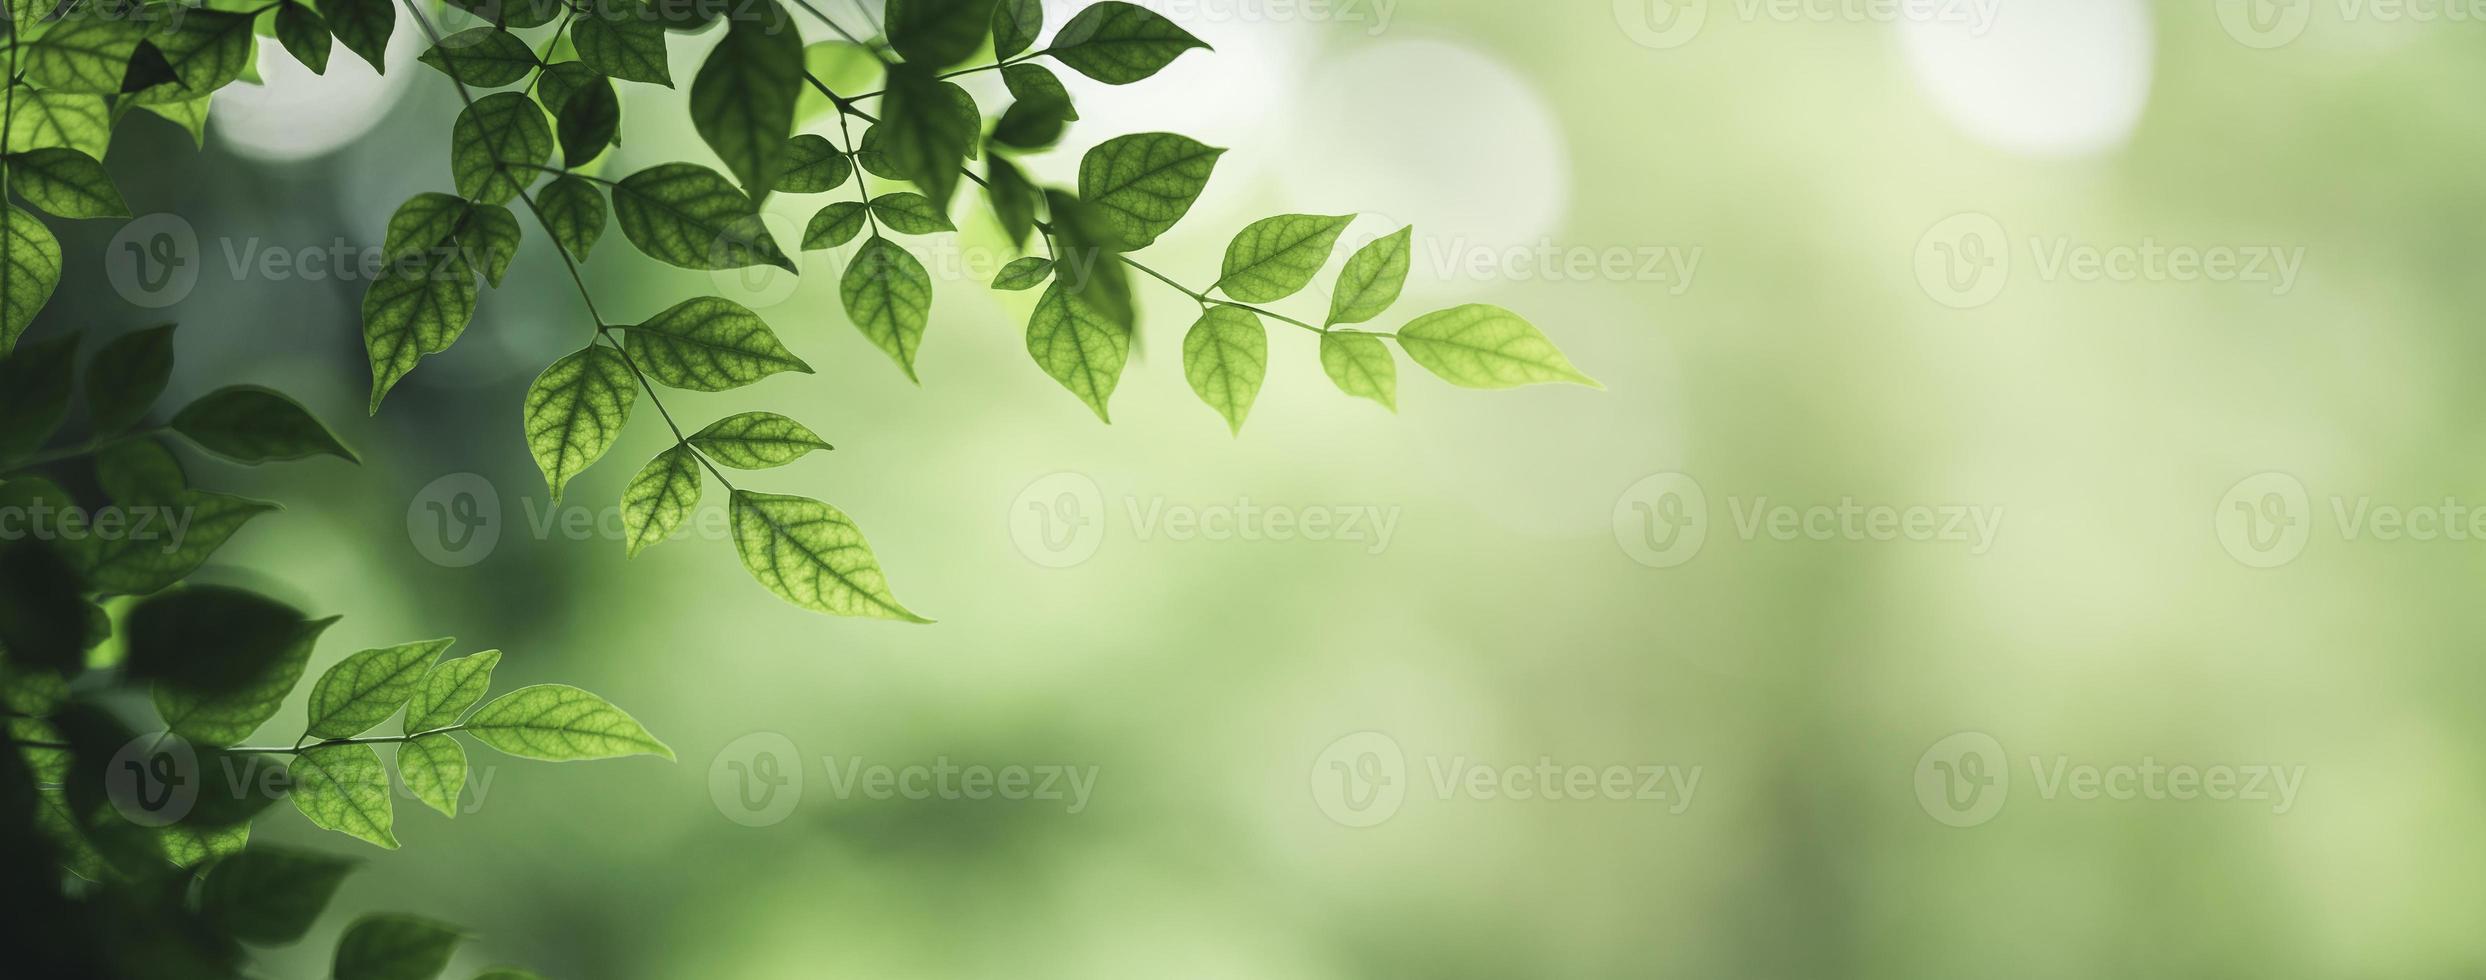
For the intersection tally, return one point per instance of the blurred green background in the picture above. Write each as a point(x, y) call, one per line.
point(1809, 157)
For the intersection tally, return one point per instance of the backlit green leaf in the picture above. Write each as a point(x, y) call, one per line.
point(1225, 357)
point(742, 101)
point(250, 424)
point(1480, 346)
point(1014, 199)
point(343, 787)
point(363, 26)
point(573, 214)
point(187, 846)
point(65, 183)
point(228, 718)
point(910, 213)
point(756, 440)
point(124, 378)
point(689, 216)
point(414, 309)
point(708, 344)
point(938, 33)
point(362, 690)
point(1024, 273)
point(79, 122)
point(812, 555)
point(560, 723)
point(1016, 23)
point(1360, 365)
point(207, 50)
point(930, 128)
point(1144, 183)
point(484, 57)
point(620, 40)
point(660, 498)
point(810, 165)
point(1372, 279)
point(1272, 258)
point(590, 119)
point(428, 220)
point(575, 410)
point(888, 295)
point(304, 33)
point(395, 947)
point(835, 225)
point(164, 538)
point(29, 271)
point(270, 895)
point(1078, 346)
point(434, 768)
point(448, 689)
point(87, 52)
point(497, 145)
point(490, 237)
point(1119, 43)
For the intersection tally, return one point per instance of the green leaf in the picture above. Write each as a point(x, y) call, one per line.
point(660, 498)
point(270, 895)
point(1225, 357)
point(938, 33)
point(930, 127)
point(1014, 199)
point(513, 14)
point(812, 555)
point(756, 440)
point(1480, 346)
point(88, 52)
point(589, 121)
point(1037, 85)
point(138, 472)
point(1272, 258)
point(65, 183)
point(363, 26)
point(191, 116)
point(621, 41)
point(125, 377)
point(166, 538)
point(1120, 43)
point(1016, 23)
point(1361, 366)
point(395, 947)
point(363, 689)
point(911, 213)
point(34, 393)
point(496, 146)
point(835, 225)
point(742, 101)
point(226, 719)
point(1372, 279)
point(188, 847)
point(250, 424)
point(342, 787)
point(428, 220)
point(1042, 109)
point(490, 238)
point(888, 295)
point(1087, 263)
point(575, 410)
point(412, 310)
point(434, 768)
point(573, 214)
point(207, 50)
point(1144, 183)
point(40, 119)
point(29, 271)
point(448, 689)
point(304, 33)
point(484, 57)
point(1024, 273)
point(560, 723)
point(1078, 346)
point(211, 639)
point(563, 80)
point(687, 216)
point(810, 165)
point(708, 344)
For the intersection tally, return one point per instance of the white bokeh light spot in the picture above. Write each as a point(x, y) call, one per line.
point(297, 115)
point(2046, 78)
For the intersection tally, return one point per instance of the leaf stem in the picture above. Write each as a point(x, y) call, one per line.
point(87, 448)
point(301, 746)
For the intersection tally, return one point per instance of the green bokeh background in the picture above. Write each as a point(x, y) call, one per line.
point(1505, 622)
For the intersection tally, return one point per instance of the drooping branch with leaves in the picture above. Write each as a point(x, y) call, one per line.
point(540, 83)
